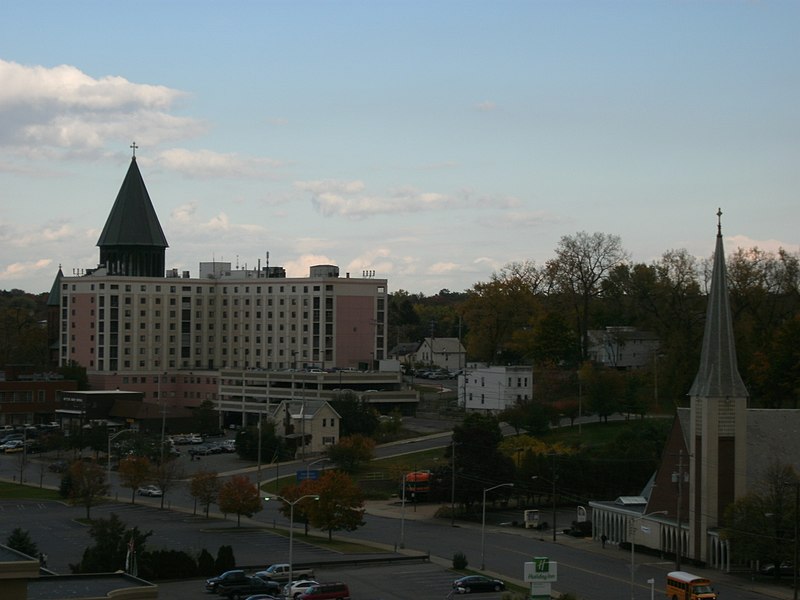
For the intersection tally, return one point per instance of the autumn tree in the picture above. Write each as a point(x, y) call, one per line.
point(351, 452)
point(204, 488)
point(581, 264)
point(134, 472)
point(240, 497)
point(340, 506)
point(88, 484)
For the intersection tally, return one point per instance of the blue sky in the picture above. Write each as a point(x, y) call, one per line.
point(432, 142)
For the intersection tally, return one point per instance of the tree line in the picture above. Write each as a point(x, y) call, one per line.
point(541, 315)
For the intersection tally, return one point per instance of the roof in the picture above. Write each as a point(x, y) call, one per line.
point(718, 374)
point(309, 408)
point(404, 348)
point(54, 298)
point(133, 220)
point(442, 345)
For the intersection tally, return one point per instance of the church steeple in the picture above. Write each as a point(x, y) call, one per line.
point(718, 375)
point(132, 242)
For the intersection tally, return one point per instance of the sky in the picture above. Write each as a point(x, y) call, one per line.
point(432, 142)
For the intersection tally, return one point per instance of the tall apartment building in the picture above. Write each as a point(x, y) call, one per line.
point(136, 326)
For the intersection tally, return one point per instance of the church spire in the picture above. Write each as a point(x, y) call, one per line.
point(718, 375)
point(132, 242)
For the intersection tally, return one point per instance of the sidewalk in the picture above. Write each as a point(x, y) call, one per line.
point(394, 509)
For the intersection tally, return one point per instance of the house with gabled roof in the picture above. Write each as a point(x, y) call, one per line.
point(312, 424)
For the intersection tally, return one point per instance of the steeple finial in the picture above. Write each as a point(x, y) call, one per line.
point(719, 221)
point(134, 147)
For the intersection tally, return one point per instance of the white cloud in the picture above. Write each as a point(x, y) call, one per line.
point(442, 267)
point(301, 265)
point(208, 164)
point(742, 241)
point(18, 269)
point(61, 107)
point(486, 106)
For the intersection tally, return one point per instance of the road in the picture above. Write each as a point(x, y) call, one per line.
point(584, 569)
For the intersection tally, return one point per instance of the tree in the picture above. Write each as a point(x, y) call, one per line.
point(112, 542)
point(206, 418)
point(340, 506)
point(479, 462)
point(166, 475)
point(20, 540)
point(204, 488)
point(356, 416)
point(581, 264)
point(351, 452)
point(89, 484)
point(272, 446)
point(760, 525)
point(134, 472)
point(239, 496)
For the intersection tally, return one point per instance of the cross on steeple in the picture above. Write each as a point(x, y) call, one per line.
point(134, 146)
point(719, 221)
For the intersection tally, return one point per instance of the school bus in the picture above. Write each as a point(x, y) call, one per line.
point(685, 586)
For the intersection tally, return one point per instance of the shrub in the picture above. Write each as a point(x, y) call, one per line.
point(225, 559)
point(170, 564)
point(205, 564)
point(460, 561)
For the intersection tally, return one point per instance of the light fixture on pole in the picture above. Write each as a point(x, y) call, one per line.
point(483, 519)
point(633, 541)
point(111, 437)
point(291, 504)
point(314, 462)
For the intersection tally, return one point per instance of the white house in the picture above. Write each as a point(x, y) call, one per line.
point(493, 389)
point(313, 420)
point(445, 353)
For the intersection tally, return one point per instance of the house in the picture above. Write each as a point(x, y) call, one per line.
point(445, 353)
point(622, 347)
point(494, 388)
point(314, 421)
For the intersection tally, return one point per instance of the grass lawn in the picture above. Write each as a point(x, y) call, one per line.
point(15, 491)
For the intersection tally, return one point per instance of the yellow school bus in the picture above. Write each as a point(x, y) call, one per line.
point(685, 586)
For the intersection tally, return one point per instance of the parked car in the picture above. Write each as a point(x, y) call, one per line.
point(263, 597)
point(236, 589)
point(58, 466)
point(326, 591)
point(784, 569)
point(227, 576)
point(297, 587)
point(477, 583)
point(280, 572)
point(150, 490)
point(12, 446)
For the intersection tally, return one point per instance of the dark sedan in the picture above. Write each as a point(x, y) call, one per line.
point(477, 583)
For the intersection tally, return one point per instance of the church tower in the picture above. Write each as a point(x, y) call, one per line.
point(718, 425)
point(132, 242)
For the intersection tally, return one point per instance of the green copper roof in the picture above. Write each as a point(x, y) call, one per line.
point(54, 298)
point(133, 220)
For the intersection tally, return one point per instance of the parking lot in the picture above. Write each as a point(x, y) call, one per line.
point(421, 581)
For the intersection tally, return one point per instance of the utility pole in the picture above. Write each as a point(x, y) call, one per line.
point(679, 475)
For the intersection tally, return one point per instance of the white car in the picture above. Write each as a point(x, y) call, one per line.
point(150, 490)
point(295, 588)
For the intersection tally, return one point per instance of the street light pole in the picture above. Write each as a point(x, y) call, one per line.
point(291, 504)
point(483, 520)
point(633, 541)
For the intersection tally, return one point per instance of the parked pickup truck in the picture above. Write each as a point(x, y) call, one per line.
point(280, 572)
point(249, 586)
